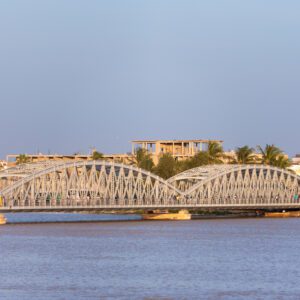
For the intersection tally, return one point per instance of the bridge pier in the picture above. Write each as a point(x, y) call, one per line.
point(2, 219)
point(183, 214)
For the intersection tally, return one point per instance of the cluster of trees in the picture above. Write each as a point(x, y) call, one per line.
point(270, 155)
point(167, 166)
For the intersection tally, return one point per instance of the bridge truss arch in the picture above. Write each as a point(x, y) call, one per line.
point(104, 185)
point(239, 186)
point(89, 184)
point(9, 176)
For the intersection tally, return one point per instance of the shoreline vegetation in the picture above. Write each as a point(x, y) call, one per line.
point(167, 166)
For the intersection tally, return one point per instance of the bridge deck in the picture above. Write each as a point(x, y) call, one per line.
point(150, 207)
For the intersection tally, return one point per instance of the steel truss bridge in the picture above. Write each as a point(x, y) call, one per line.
point(101, 185)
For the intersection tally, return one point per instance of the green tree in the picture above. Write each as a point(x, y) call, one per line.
point(269, 154)
point(22, 159)
point(282, 162)
point(97, 155)
point(215, 153)
point(198, 160)
point(166, 167)
point(244, 155)
point(274, 156)
point(144, 160)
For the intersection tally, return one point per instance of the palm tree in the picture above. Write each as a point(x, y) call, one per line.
point(215, 153)
point(282, 162)
point(22, 159)
point(273, 156)
point(269, 154)
point(244, 155)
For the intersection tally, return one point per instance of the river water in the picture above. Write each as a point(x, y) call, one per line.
point(199, 259)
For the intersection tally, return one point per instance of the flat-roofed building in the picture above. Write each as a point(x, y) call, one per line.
point(296, 164)
point(179, 149)
point(12, 158)
point(296, 159)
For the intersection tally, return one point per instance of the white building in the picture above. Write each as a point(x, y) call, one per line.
point(296, 164)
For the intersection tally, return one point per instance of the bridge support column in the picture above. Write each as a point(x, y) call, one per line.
point(2, 219)
point(183, 214)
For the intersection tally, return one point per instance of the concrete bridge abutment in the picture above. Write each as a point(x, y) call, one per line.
point(2, 219)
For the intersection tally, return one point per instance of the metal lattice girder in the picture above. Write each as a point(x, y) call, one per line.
point(100, 184)
point(238, 185)
point(90, 184)
point(11, 175)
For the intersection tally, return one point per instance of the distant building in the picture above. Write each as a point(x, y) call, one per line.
point(12, 158)
point(296, 159)
point(296, 164)
point(179, 149)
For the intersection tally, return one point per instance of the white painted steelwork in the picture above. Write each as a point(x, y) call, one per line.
point(89, 184)
point(105, 185)
point(11, 175)
point(238, 185)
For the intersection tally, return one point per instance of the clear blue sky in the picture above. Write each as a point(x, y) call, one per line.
point(76, 74)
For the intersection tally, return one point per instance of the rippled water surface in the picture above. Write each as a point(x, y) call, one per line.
point(199, 259)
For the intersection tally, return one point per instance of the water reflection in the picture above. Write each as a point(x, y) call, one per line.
point(66, 217)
